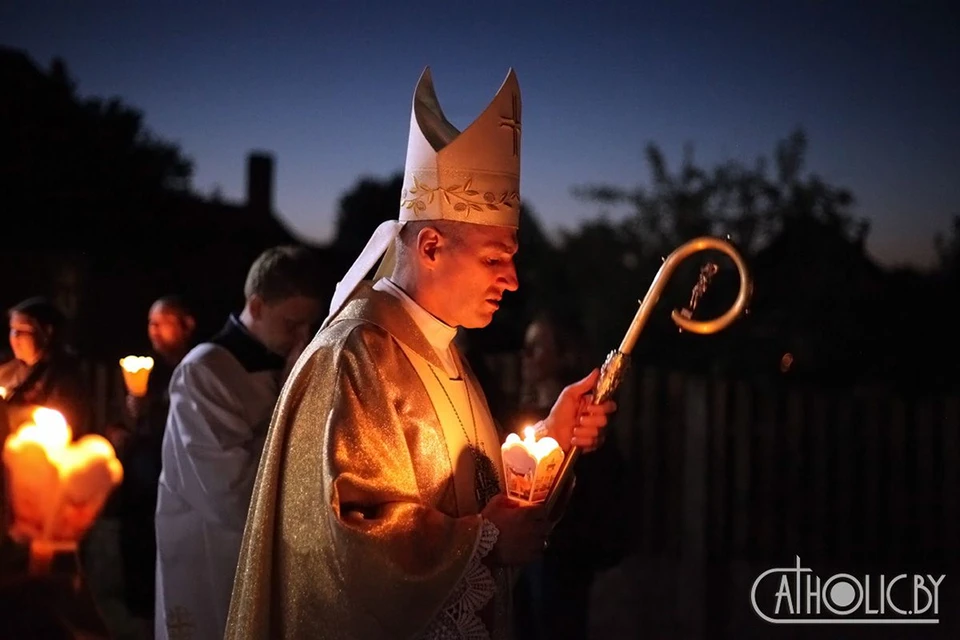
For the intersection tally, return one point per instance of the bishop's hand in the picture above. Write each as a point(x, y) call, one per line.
point(575, 420)
point(523, 530)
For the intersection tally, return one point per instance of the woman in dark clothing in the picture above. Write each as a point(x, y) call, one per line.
point(56, 603)
point(43, 371)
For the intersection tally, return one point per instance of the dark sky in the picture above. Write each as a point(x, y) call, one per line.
point(327, 86)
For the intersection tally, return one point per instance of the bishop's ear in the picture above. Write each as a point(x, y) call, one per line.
point(428, 241)
point(255, 304)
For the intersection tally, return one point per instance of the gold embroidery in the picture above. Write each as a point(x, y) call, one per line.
point(467, 198)
point(513, 123)
point(179, 623)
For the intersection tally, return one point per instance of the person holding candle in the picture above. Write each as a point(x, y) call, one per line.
point(170, 327)
point(379, 508)
point(222, 395)
point(43, 370)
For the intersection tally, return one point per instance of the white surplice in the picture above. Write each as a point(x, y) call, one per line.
point(222, 396)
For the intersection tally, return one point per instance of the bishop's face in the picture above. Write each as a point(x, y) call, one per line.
point(474, 273)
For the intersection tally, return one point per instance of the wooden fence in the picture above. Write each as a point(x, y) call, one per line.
point(723, 469)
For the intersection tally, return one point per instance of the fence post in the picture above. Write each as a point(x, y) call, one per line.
point(873, 436)
point(951, 476)
point(821, 529)
point(651, 480)
point(743, 487)
point(692, 586)
point(899, 505)
point(719, 514)
point(795, 505)
point(926, 493)
point(765, 509)
point(847, 444)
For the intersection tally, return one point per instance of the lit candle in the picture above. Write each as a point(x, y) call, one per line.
point(530, 465)
point(136, 374)
point(3, 393)
point(56, 487)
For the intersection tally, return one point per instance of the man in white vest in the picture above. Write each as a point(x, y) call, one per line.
point(378, 510)
point(222, 395)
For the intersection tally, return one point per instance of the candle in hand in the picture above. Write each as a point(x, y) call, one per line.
point(136, 373)
point(56, 488)
point(530, 465)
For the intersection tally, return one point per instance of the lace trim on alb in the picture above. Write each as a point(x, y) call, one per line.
point(458, 619)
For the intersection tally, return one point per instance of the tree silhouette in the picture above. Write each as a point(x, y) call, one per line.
point(361, 210)
point(948, 250)
point(732, 199)
point(73, 164)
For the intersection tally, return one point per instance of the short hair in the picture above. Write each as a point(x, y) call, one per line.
point(41, 310)
point(284, 272)
point(452, 230)
point(175, 303)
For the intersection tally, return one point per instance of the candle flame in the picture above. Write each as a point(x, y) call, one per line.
point(539, 449)
point(3, 393)
point(136, 363)
point(49, 429)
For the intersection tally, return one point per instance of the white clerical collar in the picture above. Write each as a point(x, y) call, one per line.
point(437, 332)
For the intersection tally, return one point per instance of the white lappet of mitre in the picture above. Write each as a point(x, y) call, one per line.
point(471, 176)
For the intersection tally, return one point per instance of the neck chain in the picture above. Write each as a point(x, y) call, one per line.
point(486, 481)
point(476, 437)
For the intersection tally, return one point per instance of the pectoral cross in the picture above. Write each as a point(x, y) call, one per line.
point(513, 123)
point(485, 477)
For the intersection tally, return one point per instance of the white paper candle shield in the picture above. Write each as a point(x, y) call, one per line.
point(136, 374)
point(530, 466)
point(56, 487)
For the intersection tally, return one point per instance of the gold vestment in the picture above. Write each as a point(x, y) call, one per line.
point(354, 529)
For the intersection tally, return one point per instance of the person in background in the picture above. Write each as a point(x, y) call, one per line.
point(222, 395)
point(553, 594)
point(43, 370)
point(170, 328)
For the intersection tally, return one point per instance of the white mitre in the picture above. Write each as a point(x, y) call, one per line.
point(471, 176)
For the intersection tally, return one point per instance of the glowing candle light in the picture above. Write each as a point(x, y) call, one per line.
point(136, 374)
point(530, 465)
point(56, 487)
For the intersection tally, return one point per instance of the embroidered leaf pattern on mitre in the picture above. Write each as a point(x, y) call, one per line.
point(463, 197)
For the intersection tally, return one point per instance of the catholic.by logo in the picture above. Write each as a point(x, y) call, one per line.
point(795, 595)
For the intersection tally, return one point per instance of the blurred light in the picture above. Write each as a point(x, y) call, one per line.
point(786, 362)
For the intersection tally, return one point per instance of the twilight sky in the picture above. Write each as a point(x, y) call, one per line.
point(326, 87)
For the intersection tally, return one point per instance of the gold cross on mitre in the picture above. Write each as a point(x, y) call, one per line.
point(513, 123)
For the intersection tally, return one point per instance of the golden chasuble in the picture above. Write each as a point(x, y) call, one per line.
point(354, 529)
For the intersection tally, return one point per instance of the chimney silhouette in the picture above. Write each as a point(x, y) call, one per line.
point(260, 182)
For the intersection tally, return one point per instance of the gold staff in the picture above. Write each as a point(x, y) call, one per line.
point(611, 374)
